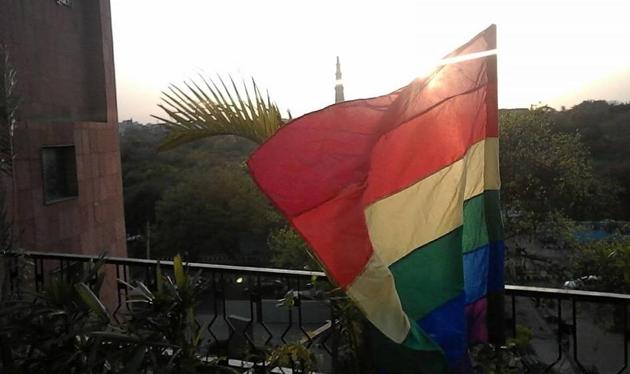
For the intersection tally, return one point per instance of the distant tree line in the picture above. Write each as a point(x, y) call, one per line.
point(574, 163)
point(604, 128)
point(198, 199)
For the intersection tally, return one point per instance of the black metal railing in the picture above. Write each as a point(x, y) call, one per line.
point(240, 306)
point(574, 330)
point(588, 329)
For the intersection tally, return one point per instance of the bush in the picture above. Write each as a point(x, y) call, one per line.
point(608, 260)
point(49, 331)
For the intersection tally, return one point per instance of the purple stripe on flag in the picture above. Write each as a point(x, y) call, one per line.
point(476, 321)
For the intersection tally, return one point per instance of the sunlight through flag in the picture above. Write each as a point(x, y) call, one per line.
point(398, 197)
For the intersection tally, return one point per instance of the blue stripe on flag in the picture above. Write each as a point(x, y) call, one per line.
point(483, 271)
point(446, 325)
point(476, 273)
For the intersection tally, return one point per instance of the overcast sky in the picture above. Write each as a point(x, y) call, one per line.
point(553, 52)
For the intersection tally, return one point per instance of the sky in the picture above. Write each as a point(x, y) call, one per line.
point(553, 52)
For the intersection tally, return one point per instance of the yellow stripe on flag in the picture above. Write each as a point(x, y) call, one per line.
point(432, 207)
point(375, 294)
point(411, 218)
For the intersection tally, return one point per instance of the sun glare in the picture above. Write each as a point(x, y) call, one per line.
point(550, 52)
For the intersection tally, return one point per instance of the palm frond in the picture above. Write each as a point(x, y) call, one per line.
point(207, 107)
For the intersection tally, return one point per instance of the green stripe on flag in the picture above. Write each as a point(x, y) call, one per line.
point(403, 358)
point(433, 274)
point(482, 221)
point(493, 217)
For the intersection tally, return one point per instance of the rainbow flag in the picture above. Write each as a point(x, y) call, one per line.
point(398, 197)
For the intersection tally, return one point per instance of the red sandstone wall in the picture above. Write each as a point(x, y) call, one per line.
point(64, 62)
point(91, 223)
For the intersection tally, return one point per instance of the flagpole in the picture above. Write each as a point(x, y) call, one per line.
point(496, 306)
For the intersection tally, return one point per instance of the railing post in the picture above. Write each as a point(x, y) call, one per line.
point(14, 276)
point(575, 337)
point(558, 336)
point(496, 318)
point(334, 330)
point(626, 336)
point(38, 274)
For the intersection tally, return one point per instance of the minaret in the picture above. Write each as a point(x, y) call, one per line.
point(338, 84)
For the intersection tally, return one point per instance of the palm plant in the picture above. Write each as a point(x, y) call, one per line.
point(206, 107)
point(8, 111)
point(48, 331)
point(9, 102)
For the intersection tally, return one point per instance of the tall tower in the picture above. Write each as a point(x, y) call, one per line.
point(338, 84)
point(67, 176)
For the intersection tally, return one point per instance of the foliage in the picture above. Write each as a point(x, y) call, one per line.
point(490, 359)
point(206, 108)
point(352, 350)
point(9, 103)
point(506, 359)
point(523, 337)
point(212, 212)
point(290, 251)
point(160, 329)
point(604, 129)
point(147, 173)
point(608, 260)
point(545, 174)
point(294, 356)
point(66, 329)
point(6, 228)
point(350, 329)
point(49, 331)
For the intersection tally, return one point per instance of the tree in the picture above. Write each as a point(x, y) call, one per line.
point(147, 173)
point(608, 260)
point(604, 129)
point(290, 251)
point(206, 213)
point(545, 174)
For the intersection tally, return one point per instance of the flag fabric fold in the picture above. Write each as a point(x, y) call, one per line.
point(398, 197)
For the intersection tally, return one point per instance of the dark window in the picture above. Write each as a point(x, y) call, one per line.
point(59, 169)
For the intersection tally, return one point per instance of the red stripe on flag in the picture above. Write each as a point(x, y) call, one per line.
point(314, 170)
point(427, 144)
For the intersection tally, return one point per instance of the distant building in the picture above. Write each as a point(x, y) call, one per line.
point(67, 174)
point(339, 97)
point(127, 124)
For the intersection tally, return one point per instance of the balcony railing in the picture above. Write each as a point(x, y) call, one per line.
point(590, 328)
point(571, 331)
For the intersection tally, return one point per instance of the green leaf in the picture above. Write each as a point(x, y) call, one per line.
point(92, 301)
point(158, 277)
point(180, 274)
point(195, 111)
